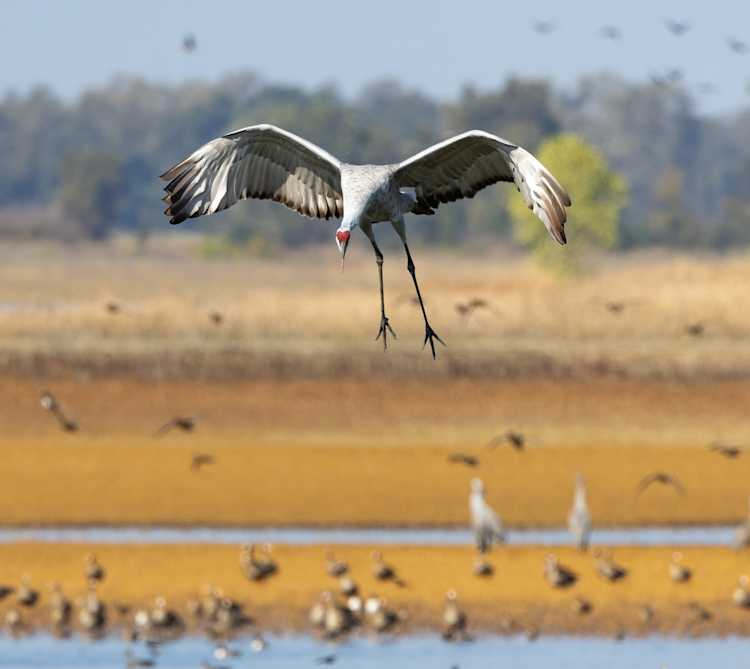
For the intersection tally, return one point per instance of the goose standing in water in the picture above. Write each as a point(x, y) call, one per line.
point(268, 163)
point(486, 524)
point(579, 518)
point(59, 608)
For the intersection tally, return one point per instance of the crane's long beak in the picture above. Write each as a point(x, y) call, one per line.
point(344, 246)
point(342, 241)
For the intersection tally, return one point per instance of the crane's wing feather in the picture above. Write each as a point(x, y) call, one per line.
point(461, 166)
point(262, 162)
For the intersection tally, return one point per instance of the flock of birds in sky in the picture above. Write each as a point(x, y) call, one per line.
point(676, 27)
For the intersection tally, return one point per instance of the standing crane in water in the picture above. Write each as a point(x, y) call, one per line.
point(266, 162)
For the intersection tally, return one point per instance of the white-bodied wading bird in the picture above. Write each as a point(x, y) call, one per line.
point(487, 527)
point(579, 518)
point(265, 162)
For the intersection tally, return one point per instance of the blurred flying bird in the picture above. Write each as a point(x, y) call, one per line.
point(660, 477)
point(487, 526)
point(183, 423)
point(266, 162)
point(579, 518)
point(326, 659)
point(466, 309)
point(676, 27)
point(556, 574)
point(726, 450)
point(707, 88)
point(610, 32)
point(50, 403)
point(737, 45)
point(463, 459)
point(696, 329)
point(199, 460)
point(113, 308)
point(189, 43)
point(514, 439)
point(615, 307)
point(543, 27)
point(216, 317)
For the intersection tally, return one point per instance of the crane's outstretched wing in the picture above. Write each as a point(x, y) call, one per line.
point(461, 166)
point(262, 162)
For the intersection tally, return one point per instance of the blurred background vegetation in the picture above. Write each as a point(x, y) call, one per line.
point(667, 175)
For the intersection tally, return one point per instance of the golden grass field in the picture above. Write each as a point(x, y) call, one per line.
point(311, 424)
point(356, 453)
point(298, 308)
point(515, 599)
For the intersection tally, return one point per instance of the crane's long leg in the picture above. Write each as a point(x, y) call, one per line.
point(385, 326)
point(430, 335)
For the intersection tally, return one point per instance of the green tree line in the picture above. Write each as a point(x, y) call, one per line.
point(97, 158)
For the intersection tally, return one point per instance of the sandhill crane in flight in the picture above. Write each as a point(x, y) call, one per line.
point(266, 162)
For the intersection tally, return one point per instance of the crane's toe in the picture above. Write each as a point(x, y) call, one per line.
point(430, 336)
point(385, 328)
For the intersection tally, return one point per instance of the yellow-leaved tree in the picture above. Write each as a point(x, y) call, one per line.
point(598, 194)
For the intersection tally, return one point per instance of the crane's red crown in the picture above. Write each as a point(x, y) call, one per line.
point(343, 235)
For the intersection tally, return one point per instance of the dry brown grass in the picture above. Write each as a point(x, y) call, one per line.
point(300, 303)
point(516, 598)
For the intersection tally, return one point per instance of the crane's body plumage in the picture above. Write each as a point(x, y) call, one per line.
point(266, 162)
point(487, 526)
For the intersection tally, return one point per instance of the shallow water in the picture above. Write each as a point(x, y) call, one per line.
point(405, 653)
point(639, 536)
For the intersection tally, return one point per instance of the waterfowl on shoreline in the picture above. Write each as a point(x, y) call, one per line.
point(742, 533)
point(93, 571)
point(741, 594)
point(678, 572)
point(556, 574)
point(607, 568)
point(254, 568)
point(383, 571)
point(483, 568)
point(334, 567)
point(26, 595)
point(60, 607)
point(454, 619)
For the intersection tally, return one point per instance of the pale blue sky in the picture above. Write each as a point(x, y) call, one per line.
point(436, 46)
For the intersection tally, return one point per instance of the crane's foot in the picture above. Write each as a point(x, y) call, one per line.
point(429, 336)
point(385, 328)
